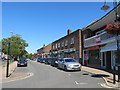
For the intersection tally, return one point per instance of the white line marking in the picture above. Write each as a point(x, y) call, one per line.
point(31, 74)
point(80, 83)
point(76, 82)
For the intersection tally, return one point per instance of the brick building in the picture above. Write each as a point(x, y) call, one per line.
point(44, 51)
point(68, 46)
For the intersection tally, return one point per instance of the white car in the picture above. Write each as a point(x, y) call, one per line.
point(69, 64)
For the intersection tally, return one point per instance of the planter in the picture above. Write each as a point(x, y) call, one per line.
point(113, 28)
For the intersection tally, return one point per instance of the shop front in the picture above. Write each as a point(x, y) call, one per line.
point(109, 56)
point(92, 56)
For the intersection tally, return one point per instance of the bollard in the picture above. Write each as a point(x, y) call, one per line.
point(118, 73)
point(114, 78)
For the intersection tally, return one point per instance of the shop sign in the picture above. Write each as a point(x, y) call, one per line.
point(92, 48)
point(97, 39)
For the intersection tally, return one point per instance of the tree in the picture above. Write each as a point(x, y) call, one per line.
point(17, 45)
point(29, 55)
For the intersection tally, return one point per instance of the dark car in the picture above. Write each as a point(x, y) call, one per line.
point(54, 62)
point(42, 60)
point(38, 59)
point(47, 60)
point(22, 62)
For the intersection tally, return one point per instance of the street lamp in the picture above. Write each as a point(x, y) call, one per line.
point(8, 57)
point(105, 7)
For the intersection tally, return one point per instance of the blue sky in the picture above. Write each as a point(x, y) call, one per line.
point(44, 22)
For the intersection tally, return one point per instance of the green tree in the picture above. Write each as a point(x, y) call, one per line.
point(29, 55)
point(17, 45)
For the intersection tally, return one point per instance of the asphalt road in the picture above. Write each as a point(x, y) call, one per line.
point(46, 76)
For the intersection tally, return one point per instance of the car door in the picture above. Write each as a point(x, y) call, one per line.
point(60, 63)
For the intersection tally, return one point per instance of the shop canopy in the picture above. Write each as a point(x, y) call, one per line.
point(109, 47)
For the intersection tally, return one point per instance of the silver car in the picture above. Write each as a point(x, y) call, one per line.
point(69, 64)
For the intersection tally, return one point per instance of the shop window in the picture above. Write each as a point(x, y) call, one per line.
point(115, 57)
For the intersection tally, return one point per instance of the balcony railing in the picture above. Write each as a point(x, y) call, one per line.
point(99, 39)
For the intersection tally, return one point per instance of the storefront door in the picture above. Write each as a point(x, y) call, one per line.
point(108, 60)
point(103, 59)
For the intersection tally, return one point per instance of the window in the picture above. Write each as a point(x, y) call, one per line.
point(56, 45)
point(115, 57)
point(66, 43)
point(99, 32)
point(53, 47)
point(84, 36)
point(62, 44)
point(72, 40)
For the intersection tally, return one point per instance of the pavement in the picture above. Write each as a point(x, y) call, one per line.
point(108, 77)
point(13, 76)
point(12, 67)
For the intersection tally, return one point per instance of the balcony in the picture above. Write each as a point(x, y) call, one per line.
point(100, 39)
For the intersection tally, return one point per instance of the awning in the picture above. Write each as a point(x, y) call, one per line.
point(109, 47)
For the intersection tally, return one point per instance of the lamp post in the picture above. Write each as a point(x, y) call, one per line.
point(105, 7)
point(8, 57)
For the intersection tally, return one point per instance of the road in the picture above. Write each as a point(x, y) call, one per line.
point(46, 76)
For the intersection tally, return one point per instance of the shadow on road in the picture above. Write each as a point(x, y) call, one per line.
point(99, 75)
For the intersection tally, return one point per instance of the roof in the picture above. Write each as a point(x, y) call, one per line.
point(109, 17)
point(66, 36)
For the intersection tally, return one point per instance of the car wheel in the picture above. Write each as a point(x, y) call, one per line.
point(65, 68)
point(26, 65)
point(18, 65)
point(58, 67)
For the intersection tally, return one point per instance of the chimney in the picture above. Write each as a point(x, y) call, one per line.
point(69, 31)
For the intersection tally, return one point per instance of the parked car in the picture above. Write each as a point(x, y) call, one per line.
point(68, 64)
point(22, 62)
point(38, 59)
point(54, 62)
point(47, 60)
point(42, 60)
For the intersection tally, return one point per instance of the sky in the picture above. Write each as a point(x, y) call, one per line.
point(44, 22)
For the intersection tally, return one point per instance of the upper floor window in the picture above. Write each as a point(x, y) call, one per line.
point(84, 36)
point(99, 32)
point(56, 45)
point(62, 44)
point(53, 47)
point(72, 40)
point(66, 42)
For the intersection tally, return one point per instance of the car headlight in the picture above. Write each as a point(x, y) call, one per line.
point(56, 61)
point(69, 65)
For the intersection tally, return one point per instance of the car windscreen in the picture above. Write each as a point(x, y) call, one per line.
point(69, 60)
point(22, 60)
